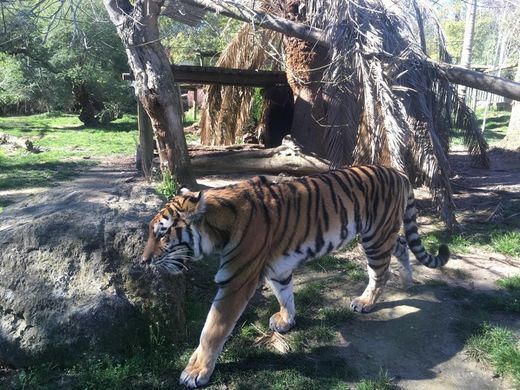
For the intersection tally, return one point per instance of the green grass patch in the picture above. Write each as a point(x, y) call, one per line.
point(383, 382)
point(496, 346)
point(496, 126)
point(337, 263)
point(512, 284)
point(335, 315)
point(310, 295)
point(507, 243)
point(504, 239)
point(189, 118)
point(168, 187)
point(67, 148)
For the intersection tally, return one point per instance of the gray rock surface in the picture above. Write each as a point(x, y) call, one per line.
point(68, 280)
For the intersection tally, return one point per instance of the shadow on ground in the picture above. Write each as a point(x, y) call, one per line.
point(44, 174)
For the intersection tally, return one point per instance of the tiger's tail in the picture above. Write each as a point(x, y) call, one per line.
point(414, 240)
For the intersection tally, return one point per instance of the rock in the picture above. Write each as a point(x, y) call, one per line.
point(69, 284)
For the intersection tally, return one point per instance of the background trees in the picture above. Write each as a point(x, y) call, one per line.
point(57, 57)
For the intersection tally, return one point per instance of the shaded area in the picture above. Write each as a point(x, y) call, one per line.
point(44, 174)
point(46, 124)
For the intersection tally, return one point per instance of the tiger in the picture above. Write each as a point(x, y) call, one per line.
point(263, 230)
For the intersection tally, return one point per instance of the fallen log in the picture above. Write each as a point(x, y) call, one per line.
point(18, 142)
point(287, 158)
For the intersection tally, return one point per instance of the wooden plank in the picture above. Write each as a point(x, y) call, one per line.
point(188, 74)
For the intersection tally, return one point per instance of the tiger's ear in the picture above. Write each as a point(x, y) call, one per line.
point(197, 209)
point(196, 196)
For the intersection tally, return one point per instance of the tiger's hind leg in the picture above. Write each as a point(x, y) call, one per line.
point(283, 290)
point(405, 268)
point(378, 255)
point(377, 280)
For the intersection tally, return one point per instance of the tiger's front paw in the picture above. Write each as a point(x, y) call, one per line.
point(280, 323)
point(196, 373)
point(361, 305)
point(193, 377)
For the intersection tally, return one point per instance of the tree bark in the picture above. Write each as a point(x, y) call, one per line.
point(305, 63)
point(454, 74)
point(138, 29)
point(146, 142)
point(420, 26)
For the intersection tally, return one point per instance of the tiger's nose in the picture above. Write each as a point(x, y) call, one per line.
point(145, 259)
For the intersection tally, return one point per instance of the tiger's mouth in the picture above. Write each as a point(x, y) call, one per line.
point(174, 260)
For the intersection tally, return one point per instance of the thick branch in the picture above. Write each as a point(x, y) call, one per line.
point(457, 75)
point(241, 12)
point(479, 80)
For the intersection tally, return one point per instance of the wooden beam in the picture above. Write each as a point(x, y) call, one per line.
point(224, 76)
point(457, 75)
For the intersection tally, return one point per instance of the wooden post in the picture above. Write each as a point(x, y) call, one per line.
point(146, 141)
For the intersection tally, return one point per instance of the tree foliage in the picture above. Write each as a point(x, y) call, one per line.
point(186, 44)
point(492, 17)
point(52, 50)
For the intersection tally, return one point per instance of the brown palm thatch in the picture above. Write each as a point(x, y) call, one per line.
point(380, 99)
point(227, 108)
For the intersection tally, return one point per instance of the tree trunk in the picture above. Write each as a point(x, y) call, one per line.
point(146, 142)
point(87, 105)
point(512, 138)
point(467, 45)
point(138, 28)
point(306, 63)
point(420, 26)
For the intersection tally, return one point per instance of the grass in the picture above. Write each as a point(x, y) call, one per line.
point(512, 284)
point(496, 126)
point(67, 148)
point(383, 382)
point(487, 236)
point(168, 187)
point(498, 347)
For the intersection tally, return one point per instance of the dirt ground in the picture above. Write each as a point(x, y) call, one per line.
point(417, 336)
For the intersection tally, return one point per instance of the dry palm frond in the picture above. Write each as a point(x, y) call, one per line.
point(400, 106)
point(385, 102)
point(272, 340)
point(227, 108)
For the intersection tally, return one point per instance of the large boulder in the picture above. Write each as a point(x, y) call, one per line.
point(68, 277)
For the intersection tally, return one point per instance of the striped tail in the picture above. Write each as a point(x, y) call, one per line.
point(414, 240)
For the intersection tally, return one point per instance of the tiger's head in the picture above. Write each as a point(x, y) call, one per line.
point(174, 235)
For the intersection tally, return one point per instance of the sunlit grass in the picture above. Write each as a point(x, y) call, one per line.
point(498, 347)
point(496, 126)
point(492, 238)
point(66, 147)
